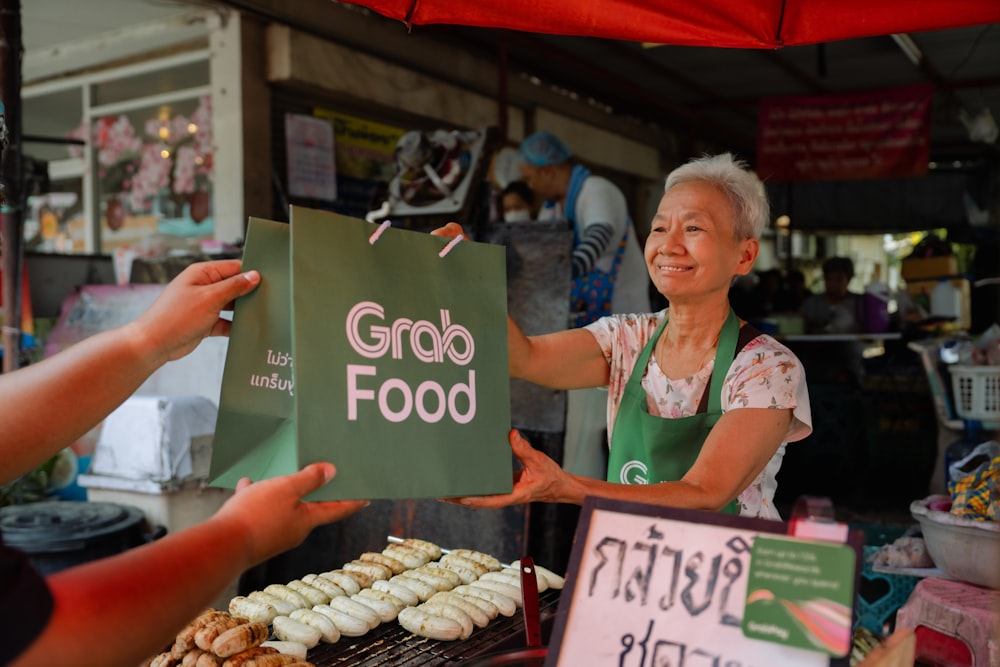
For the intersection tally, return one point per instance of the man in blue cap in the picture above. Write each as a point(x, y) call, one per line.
point(608, 274)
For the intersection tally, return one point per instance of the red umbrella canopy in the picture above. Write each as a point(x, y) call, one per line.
point(721, 23)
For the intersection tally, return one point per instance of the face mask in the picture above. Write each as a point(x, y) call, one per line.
point(520, 215)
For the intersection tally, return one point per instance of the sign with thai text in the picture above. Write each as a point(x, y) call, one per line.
point(865, 135)
point(650, 586)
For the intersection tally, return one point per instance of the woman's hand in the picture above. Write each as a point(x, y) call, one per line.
point(450, 230)
point(540, 480)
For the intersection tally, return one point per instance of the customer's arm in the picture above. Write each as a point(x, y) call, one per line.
point(48, 405)
point(120, 610)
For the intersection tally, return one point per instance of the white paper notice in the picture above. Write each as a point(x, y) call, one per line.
point(311, 171)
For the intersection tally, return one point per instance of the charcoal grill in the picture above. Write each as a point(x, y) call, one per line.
point(389, 645)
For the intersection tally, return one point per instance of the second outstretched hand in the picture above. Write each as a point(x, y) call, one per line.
point(188, 309)
point(540, 479)
point(274, 513)
point(147, 594)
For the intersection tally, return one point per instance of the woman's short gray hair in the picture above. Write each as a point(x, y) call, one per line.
point(735, 180)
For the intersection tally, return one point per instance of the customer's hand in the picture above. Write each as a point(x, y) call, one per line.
point(272, 515)
point(188, 309)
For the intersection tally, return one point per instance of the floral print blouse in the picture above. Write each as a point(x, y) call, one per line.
point(764, 374)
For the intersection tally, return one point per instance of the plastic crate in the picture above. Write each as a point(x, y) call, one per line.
point(977, 392)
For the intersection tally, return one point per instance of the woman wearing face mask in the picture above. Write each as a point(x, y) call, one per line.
point(517, 202)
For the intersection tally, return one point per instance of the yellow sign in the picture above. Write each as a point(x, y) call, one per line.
point(364, 149)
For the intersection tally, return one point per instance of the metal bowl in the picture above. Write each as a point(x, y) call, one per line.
point(963, 549)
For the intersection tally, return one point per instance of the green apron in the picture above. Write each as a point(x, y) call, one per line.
point(646, 449)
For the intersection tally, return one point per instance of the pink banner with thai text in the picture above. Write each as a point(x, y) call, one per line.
point(874, 134)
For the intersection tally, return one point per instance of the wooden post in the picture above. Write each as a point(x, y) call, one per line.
point(13, 179)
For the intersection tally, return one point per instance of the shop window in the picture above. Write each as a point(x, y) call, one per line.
point(125, 157)
point(148, 84)
point(153, 169)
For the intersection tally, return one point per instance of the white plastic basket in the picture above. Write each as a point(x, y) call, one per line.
point(977, 392)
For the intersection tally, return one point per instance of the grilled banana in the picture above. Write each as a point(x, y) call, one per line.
point(288, 629)
point(454, 612)
point(504, 604)
point(357, 610)
point(467, 563)
point(205, 636)
point(238, 639)
point(348, 625)
point(373, 570)
point(283, 606)
point(393, 564)
point(512, 592)
point(422, 589)
point(452, 577)
point(511, 576)
point(285, 593)
point(398, 589)
point(190, 658)
point(331, 589)
point(487, 607)
point(252, 610)
point(433, 550)
point(206, 659)
point(386, 605)
point(476, 613)
point(412, 558)
point(328, 629)
point(438, 581)
point(269, 660)
point(241, 659)
point(297, 649)
point(489, 562)
point(554, 580)
point(345, 580)
point(311, 593)
point(184, 641)
point(424, 624)
point(466, 574)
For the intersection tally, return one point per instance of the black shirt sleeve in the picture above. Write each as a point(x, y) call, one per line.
point(25, 602)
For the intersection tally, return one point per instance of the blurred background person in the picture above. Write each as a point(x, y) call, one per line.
point(794, 294)
point(517, 202)
point(836, 310)
point(608, 272)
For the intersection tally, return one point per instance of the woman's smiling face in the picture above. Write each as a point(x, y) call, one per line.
point(691, 249)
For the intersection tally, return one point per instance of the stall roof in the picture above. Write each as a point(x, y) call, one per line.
point(660, 62)
point(719, 23)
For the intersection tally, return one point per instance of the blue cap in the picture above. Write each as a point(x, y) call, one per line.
point(542, 148)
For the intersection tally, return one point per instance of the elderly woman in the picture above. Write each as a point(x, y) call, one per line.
point(700, 405)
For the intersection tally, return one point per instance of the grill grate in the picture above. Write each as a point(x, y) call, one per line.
point(389, 645)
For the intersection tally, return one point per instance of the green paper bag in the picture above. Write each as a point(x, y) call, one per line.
point(382, 357)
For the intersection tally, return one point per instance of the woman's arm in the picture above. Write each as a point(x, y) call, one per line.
point(735, 452)
point(570, 359)
point(50, 404)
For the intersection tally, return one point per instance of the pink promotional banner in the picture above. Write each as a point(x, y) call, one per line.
point(866, 135)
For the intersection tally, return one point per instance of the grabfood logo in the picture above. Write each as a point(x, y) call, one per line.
point(634, 472)
point(432, 344)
